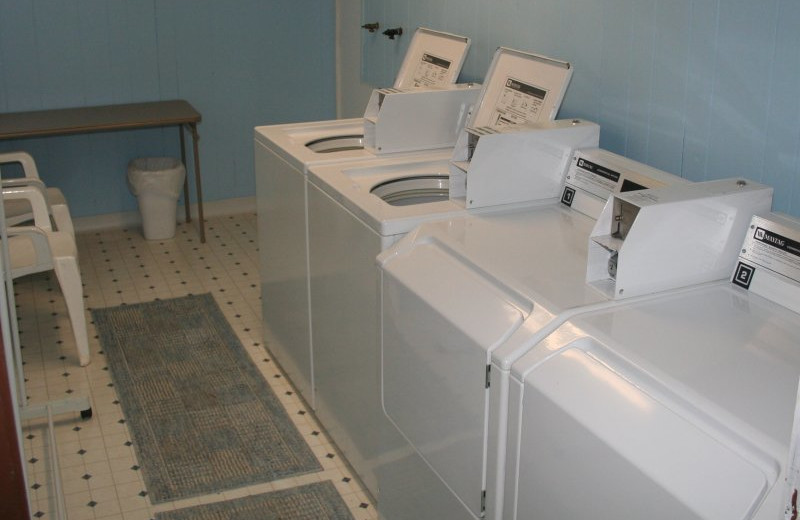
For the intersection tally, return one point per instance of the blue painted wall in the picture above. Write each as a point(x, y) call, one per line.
point(241, 63)
point(702, 88)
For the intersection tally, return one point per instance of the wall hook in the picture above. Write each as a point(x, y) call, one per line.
point(371, 27)
point(391, 33)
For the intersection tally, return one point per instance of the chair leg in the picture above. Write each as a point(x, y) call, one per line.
point(69, 278)
point(62, 218)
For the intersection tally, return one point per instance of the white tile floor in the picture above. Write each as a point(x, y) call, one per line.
point(100, 474)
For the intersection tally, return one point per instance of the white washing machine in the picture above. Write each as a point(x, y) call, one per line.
point(283, 154)
point(681, 406)
point(462, 299)
point(356, 210)
point(348, 226)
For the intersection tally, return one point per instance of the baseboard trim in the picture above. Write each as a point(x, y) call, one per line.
point(126, 219)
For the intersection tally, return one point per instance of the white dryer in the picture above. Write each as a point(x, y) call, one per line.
point(680, 406)
point(283, 154)
point(462, 299)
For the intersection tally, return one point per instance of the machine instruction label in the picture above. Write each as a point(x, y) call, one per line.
point(431, 71)
point(518, 103)
point(772, 248)
point(593, 178)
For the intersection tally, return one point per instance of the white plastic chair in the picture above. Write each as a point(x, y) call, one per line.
point(19, 210)
point(35, 249)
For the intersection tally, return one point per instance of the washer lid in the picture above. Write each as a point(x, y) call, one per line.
point(520, 87)
point(433, 59)
point(600, 439)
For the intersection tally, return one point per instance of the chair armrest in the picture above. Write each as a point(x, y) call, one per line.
point(38, 238)
point(38, 201)
point(23, 158)
point(23, 181)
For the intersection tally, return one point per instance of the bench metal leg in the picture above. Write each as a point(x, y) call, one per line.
point(200, 218)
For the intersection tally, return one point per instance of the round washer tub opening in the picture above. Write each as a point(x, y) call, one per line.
point(337, 143)
point(408, 191)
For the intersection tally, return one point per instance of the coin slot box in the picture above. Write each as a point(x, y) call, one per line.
point(673, 236)
point(425, 109)
point(521, 163)
point(403, 120)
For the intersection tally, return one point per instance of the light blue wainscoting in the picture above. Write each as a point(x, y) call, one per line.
point(241, 64)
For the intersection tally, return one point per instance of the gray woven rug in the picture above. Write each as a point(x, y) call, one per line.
point(318, 501)
point(202, 417)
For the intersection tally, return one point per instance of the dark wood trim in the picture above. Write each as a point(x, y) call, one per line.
point(13, 495)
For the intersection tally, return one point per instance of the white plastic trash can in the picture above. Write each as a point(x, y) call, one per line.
point(157, 183)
